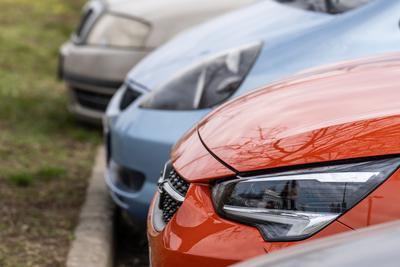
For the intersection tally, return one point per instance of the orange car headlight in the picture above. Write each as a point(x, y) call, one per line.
point(295, 205)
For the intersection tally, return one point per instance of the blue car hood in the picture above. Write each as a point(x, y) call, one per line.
point(368, 30)
point(266, 21)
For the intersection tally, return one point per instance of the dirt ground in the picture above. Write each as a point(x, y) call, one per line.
point(45, 156)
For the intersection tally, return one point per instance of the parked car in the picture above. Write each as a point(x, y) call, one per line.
point(304, 158)
point(140, 138)
point(141, 127)
point(140, 135)
point(114, 35)
point(370, 247)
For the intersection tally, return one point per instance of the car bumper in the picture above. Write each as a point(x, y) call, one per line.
point(93, 74)
point(134, 203)
point(197, 235)
point(140, 141)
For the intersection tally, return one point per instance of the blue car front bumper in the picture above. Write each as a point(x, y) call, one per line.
point(140, 141)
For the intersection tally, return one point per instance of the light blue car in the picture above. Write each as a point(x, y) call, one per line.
point(181, 82)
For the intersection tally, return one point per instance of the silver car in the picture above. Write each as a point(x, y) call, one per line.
point(114, 35)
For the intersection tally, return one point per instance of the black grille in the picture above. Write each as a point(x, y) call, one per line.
point(131, 179)
point(107, 141)
point(178, 183)
point(92, 100)
point(168, 205)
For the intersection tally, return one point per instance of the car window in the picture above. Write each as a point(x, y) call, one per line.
point(326, 6)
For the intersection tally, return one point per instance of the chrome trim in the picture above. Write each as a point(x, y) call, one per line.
point(333, 177)
point(164, 185)
point(161, 180)
point(301, 222)
point(172, 192)
point(158, 222)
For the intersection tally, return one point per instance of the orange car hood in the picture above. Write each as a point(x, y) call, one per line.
point(351, 110)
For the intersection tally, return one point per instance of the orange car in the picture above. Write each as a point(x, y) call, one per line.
point(312, 156)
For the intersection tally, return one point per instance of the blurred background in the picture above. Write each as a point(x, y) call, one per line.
point(45, 158)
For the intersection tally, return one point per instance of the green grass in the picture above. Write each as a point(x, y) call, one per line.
point(22, 179)
point(46, 173)
point(45, 157)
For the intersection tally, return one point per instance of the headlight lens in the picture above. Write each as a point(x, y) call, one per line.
point(295, 205)
point(112, 30)
point(207, 84)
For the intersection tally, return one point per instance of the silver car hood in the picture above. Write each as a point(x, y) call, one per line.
point(156, 10)
point(168, 17)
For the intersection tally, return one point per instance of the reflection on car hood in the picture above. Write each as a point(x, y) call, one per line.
point(347, 111)
point(267, 20)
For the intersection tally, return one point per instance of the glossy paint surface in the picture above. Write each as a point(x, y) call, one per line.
point(197, 236)
point(380, 206)
point(167, 18)
point(341, 112)
point(344, 112)
point(294, 41)
point(141, 139)
point(247, 25)
point(366, 31)
point(144, 145)
point(203, 166)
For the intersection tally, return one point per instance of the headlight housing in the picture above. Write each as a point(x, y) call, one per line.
point(206, 84)
point(114, 30)
point(295, 205)
point(90, 12)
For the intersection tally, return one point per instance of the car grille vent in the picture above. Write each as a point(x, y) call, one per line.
point(169, 203)
point(92, 100)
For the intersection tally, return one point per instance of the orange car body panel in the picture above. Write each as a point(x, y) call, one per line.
point(380, 206)
point(197, 236)
point(343, 112)
point(347, 112)
point(201, 165)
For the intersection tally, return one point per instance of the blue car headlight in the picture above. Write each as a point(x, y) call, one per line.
point(295, 205)
point(206, 84)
